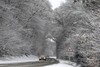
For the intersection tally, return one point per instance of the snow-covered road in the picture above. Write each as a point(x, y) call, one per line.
point(31, 58)
point(63, 63)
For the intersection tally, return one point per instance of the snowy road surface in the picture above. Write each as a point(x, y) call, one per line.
point(32, 61)
point(63, 63)
point(31, 64)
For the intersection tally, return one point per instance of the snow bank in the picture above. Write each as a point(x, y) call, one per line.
point(20, 59)
point(53, 57)
point(63, 63)
point(59, 65)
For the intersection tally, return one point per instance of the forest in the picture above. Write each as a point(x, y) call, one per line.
point(32, 27)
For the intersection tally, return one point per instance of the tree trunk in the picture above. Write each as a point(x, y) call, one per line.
point(59, 46)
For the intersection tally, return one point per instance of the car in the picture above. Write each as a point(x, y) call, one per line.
point(43, 57)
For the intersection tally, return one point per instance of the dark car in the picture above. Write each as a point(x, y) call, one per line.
point(43, 57)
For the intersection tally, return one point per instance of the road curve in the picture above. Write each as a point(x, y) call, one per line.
point(32, 64)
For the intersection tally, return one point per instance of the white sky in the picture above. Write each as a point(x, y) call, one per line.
point(56, 3)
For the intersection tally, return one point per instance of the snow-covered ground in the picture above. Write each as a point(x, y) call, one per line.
point(63, 63)
point(59, 65)
point(20, 59)
point(31, 58)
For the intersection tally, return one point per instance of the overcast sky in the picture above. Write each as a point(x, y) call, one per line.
point(56, 3)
